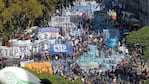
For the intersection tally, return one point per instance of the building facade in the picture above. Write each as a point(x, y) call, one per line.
point(144, 11)
point(140, 8)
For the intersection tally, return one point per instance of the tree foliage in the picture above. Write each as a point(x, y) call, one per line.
point(17, 15)
point(32, 10)
point(1, 6)
point(140, 37)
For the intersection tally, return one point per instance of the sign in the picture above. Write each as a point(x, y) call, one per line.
point(15, 52)
point(102, 20)
point(47, 33)
point(111, 33)
point(46, 29)
point(109, 62)
point(23, 63)
point(76, 31)
point(93, 50)
point(112, 42)
point(47, 36)
point(12, 52)
point(40, 67)
point(64, 25)
point(60, 19)
point(76, 19)
point(112, 37)
point(88, 61)
point(20, 43)
point(41, 46)
point(16, 75)
point(61, 49)
point(87, 9)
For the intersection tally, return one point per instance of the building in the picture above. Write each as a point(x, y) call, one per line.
point(140, 8)
point(144, 11)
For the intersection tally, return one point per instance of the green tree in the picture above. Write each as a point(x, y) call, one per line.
point(1, 26)
point(17, 15)
point(2, 6)
point(9, 17)
point(48, 7)
point(32, 10)
point(140, 37)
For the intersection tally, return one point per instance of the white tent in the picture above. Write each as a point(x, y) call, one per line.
point(16, 75)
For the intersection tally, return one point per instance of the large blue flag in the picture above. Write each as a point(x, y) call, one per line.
point(61, 49)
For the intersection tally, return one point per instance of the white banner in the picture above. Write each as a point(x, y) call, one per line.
point(60, 19)
point(64, 25)
point(10, 52)
point(23, 63)
point(20, 43)
point(47, 35)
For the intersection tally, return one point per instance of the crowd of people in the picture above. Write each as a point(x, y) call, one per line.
point(123, 73)
point(66, 65)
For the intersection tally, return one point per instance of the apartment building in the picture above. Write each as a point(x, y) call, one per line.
point(140, 8)
point(144, 11)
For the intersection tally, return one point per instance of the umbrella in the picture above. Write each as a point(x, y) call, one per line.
point(16, 75)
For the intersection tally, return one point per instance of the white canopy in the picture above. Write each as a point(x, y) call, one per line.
point(16, 75)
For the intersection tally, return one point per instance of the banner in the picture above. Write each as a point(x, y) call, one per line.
point(112, 42)
point(64, 25)
point(25, 51)
point(93, 50)
point(47, 36)
point(82, 8)
point(109, 62)
point(47, 33)
point(61, 49)
point(76, 19)
point(87, 9)
point(23, 63)
point(20, 43)
point(102, 20)
point(10, 52)
point(60, 19)
point(40, 67)
point(46, 29)
point(111, 33)
point(88, 61)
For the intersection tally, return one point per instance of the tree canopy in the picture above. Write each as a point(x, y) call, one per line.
point(140, 37)
point(17, 15)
